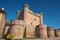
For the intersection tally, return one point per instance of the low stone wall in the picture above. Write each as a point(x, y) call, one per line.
point(38, 39)
point(43, 39)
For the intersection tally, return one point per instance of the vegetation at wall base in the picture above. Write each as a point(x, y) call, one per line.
point(9, 37)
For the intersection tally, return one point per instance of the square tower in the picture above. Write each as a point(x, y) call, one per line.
point(29, 17)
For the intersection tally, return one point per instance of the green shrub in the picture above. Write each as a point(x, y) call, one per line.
point(9, 37)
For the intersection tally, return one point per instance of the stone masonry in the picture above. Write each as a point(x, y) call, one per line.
point(50, 32)
point(27, 25)
point(2, 21)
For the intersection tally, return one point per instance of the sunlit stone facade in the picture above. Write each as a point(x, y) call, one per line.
point(27, 25)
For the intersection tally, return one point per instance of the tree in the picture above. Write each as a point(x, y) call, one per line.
point(9, 37)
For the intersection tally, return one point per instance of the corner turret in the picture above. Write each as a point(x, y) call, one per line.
point(41, 17)
point(2, 11)
point(26, 5)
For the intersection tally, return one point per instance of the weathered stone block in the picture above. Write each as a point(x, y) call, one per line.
point(30, 32)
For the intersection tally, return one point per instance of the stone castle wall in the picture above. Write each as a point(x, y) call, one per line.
point(27, 25)
point(2, 22)
point(6, 30)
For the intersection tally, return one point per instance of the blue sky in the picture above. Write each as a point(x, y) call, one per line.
point(50, 9)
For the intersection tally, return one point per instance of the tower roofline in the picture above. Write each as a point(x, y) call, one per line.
point(41, 13)
point(26, 5)
point(2, 11)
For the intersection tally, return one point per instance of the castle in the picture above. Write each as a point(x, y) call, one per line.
point(27, 25)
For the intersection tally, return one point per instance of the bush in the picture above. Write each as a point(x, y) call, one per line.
point(9, 37)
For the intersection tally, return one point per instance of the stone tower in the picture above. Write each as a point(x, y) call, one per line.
point(17, 28)
point(30, 20)
point(2, 21)
point(6, 28)
point(57, 32)
point(41, 28)
point(42, 31)
point(50, 32)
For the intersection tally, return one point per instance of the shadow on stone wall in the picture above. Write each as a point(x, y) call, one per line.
point(24, 34)
point(37, 31)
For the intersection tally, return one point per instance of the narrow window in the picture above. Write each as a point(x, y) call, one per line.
point(31, 23)
point(34, 19)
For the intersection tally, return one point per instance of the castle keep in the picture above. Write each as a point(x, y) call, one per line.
point(27, 25)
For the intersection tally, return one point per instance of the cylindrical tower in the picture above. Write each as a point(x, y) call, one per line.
point(43, 31)
point(57, 32)
point(17, 28)
point(2, 21)
point(50, 32)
